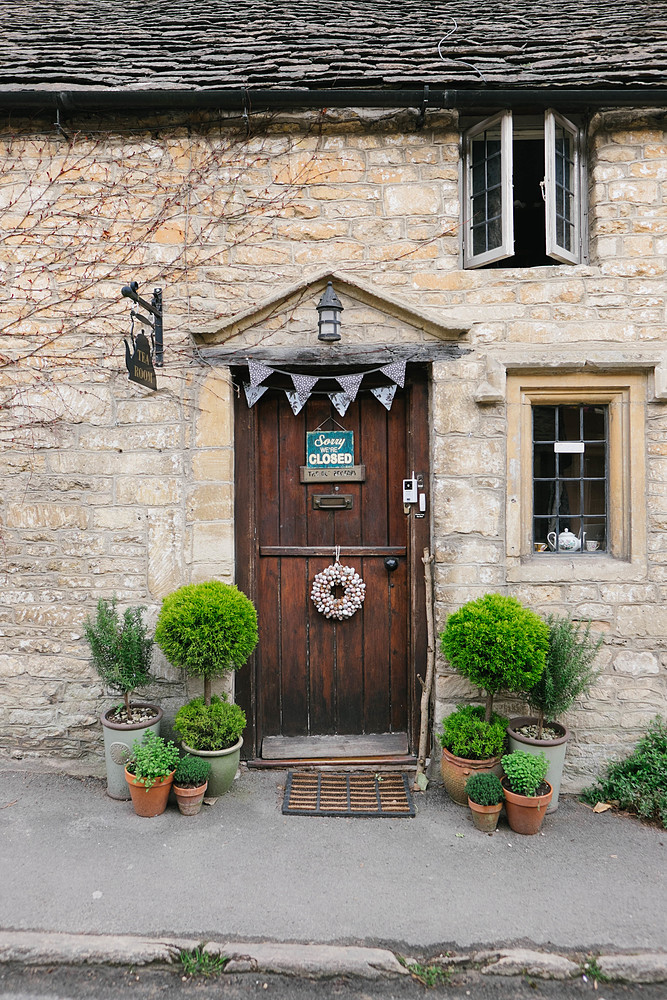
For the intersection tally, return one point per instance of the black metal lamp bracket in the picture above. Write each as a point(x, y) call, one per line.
point(155, 308)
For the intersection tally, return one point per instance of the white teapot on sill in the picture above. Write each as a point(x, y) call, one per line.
point(567, 542)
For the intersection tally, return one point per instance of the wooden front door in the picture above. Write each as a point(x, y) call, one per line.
point(322, 687)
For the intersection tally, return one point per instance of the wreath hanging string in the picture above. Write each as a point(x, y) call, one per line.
point(322, 592)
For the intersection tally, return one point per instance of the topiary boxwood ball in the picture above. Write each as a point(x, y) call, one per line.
point(207, 629)
point(497, 644)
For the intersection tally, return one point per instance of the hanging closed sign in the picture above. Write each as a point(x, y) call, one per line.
point(329, 449)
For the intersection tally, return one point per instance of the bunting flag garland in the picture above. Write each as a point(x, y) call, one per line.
point(303, 384)
point(385, 393)
point(254, 392)
point(258, 372)
point(350, 384)
point(341, 401)
point(295, 401)
point(396, 372)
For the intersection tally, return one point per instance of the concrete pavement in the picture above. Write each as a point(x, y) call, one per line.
point(75, 862)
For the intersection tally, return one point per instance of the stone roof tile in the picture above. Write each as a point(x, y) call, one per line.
point(319, 44)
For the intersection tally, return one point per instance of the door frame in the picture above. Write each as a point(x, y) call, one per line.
point(245, 535)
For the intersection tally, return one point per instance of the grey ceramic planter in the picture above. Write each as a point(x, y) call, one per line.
point(224, 765)
point(118, 740)
point(554, 750)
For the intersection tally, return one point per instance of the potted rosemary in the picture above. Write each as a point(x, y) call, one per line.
point(121, 653)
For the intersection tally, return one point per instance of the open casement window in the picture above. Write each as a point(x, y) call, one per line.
point(489, 222)
point(522, 194)
point(562, 188)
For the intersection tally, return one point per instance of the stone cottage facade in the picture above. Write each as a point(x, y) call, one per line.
point(522, 297)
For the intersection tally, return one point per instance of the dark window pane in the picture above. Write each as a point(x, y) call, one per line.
point(594, 423)
point(544, 461)
point(569, 465)
point(568, 423)
point(544, 423)
point(543, 498)
point(594, 461)
point(595, 496)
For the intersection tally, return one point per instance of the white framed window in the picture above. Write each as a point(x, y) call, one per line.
point(523, 202)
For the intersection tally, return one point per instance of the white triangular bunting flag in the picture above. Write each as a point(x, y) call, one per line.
point(258, 372)
point(295, 401)
point(303, 384)
point(254, 392)
point(396, 372)
point(350, 384)
point(385, 394)
point(341, 401)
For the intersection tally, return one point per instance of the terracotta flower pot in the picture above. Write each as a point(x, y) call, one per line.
point(189, 800)
point(554, 750)
point(525, 813)
point(149, 801)
point(456, 771)
point(485, 818)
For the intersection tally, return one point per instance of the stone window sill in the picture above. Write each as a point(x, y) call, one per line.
point(545, 567)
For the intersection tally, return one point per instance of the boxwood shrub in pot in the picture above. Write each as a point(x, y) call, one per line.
point(190, 782)
point(470, 745)
point(498, 645)
point(121, 653)
point(485, 799)
point(209, 629)
point(569, 672)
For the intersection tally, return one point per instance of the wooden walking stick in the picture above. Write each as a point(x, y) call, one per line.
point(421, 780)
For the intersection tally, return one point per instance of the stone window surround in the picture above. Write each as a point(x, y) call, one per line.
point(625, 395)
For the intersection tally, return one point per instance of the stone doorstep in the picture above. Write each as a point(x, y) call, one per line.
point(311, 960)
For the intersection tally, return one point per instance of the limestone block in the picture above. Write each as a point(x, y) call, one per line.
point(636, 663)
point(45, 515)
point(463, 508)
point(165, 552)
point(215, 464)
point(214, 542)
point(211, 503)
point(468, 456)
point(214, 419)
point(148, 491)
point(156, 409)
point(640, 621)
point(412, 199)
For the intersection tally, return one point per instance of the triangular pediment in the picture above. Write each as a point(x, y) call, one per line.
point(289, 317)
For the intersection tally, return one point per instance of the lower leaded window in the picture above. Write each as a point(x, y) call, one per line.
point(570, 478)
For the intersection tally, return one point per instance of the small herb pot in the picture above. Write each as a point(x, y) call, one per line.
point(189, 800)
point(525, 813)
point(485, 818)
point(149, 801)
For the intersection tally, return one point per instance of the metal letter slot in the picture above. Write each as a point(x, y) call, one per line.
point(332, 501)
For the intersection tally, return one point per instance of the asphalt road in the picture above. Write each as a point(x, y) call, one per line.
point(103, 983)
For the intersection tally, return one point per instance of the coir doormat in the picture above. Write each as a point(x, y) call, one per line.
point(357, 794)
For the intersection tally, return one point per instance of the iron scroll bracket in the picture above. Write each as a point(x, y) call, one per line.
point(154, 307)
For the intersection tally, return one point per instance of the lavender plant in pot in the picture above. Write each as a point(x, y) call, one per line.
point(209, 629)
point(121, 653)
point(569, 673)
point(498, 645)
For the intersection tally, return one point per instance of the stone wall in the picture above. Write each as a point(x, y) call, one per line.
point(108, 488)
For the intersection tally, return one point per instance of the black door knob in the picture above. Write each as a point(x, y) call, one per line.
point(391, 563)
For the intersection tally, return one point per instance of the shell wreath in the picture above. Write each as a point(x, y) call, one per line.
point(322, 593)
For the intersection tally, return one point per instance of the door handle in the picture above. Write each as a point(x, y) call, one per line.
point(390, 563)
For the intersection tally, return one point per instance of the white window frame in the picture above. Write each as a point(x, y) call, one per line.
point(506, 247)
point(561, 253)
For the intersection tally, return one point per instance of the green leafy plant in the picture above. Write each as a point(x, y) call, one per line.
point(210, 727)
point(197, 962)
point(192, 772)
point(427, 975)
point(568, 670)
point(465, 733)
point(638, 783)
point(120, 647)
point(590, 969)
point(152, 758)
point(485, 789)
point(525, 772)
point(497, 644)
point(207, 629)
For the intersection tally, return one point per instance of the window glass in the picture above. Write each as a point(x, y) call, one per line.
point(570, 478)
point(487, 231)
